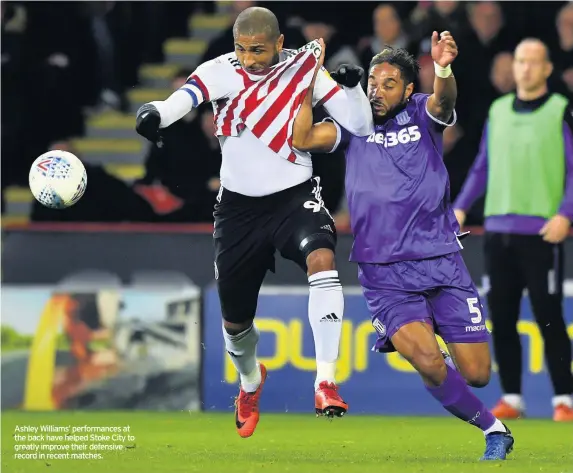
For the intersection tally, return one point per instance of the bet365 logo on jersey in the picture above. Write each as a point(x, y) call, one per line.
point(404, 136)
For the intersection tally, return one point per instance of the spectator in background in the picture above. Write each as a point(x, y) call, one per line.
point(223, 43)
point(478, 46)
point(387, 30)
point(501, 75)
point(107, 199)
point(318, 25)
point(182, 177)
point(563, 54)
point(107, 54)
point(426, 75)
point(48, 67)
point(526, 164)
point(436, 16)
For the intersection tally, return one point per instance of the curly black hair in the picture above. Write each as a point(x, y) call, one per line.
point(400, 58)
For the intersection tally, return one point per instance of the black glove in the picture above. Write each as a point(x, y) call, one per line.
point(147, 123)
point(348, 75)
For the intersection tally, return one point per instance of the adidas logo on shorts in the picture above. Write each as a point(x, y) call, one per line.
point(330, 318)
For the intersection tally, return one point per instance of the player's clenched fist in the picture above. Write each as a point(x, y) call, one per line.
point(348, 75)
point(147, 123)
point(444, 48)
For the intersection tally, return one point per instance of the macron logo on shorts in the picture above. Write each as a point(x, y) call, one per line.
point(330, 318)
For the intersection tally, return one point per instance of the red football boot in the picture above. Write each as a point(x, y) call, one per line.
point(328, 402)
point(247, 408)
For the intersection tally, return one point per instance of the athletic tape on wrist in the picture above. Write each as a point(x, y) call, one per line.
point(442, 72)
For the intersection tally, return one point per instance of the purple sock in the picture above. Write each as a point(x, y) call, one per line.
point(456, 397)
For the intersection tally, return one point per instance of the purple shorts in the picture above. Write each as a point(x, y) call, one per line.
point(438, 291)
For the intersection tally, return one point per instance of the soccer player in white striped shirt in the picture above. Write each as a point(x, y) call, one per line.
point(269, 199)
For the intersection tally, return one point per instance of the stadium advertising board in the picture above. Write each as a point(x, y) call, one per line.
point(82, 348)
point(133, 252)
point(373, 383)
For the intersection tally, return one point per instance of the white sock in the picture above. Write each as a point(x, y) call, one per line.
point(325, 313)
point(515, 401)
point(496, 427)
point(242, 349)
point(563, 399)
point(251, 381)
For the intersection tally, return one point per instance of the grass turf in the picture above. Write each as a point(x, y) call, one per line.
point(205, 442)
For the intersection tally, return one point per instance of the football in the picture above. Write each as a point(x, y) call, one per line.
point(58, 179)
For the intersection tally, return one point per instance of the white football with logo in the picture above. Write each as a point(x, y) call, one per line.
point(58, 179)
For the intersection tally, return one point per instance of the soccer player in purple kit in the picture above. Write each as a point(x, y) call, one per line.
point(406, 238)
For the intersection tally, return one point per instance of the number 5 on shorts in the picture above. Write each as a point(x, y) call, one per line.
point(473, 304)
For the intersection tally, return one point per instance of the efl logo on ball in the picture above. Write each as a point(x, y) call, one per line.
point(58, 179)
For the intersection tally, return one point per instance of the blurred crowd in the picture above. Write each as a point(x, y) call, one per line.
point(63, 62)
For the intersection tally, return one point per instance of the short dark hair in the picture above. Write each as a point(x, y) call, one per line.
point(402, 59)
point(257, 20)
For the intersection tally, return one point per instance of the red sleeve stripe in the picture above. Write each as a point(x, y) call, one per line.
point(202, 87)
point(328, 96)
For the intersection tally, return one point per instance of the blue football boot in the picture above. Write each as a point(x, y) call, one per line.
point(498, 445)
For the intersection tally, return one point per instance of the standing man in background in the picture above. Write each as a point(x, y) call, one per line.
point(526, 163)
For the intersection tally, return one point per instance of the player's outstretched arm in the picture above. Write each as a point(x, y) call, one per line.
point(160, 114)
point(206, 84)
point(350, 107)
point(442, 102)
point(305, 135)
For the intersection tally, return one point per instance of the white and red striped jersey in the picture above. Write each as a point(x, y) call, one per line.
point(265, 104)
point(249, 166)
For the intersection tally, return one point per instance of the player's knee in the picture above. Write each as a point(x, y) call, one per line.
point(321, 259)
point(477, 375)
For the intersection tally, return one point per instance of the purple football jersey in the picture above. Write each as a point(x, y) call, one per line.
point(398, 190)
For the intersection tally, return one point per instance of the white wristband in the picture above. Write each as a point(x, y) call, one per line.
point(442, 72)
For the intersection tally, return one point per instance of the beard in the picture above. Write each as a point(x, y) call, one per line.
point(276, 58)
point(391, 111)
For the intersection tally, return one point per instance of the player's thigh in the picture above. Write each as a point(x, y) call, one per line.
point(306, 227)
point(456, 305)
point(416, 342)
point(473, 361)
point(459, 316)
point(390, 306)
point(240, 268)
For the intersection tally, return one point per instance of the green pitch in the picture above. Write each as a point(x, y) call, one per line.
point(183, 442)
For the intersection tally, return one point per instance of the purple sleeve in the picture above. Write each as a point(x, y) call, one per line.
point(476, 182)
point(566, 208)
point(342, 136)
point(430, 121)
